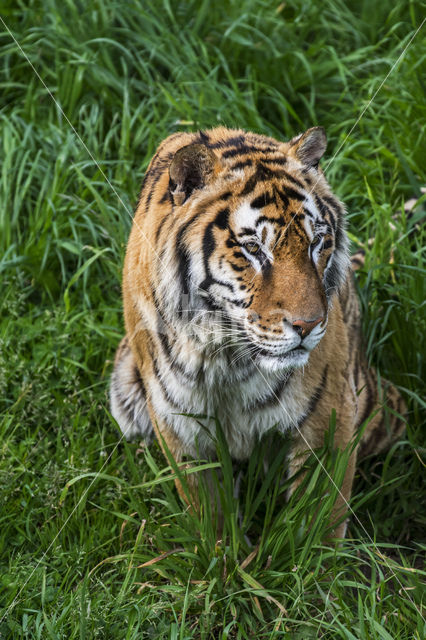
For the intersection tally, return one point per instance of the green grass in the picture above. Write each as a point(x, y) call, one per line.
point(72, 540)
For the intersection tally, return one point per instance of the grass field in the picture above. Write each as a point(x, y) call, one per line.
point(94, 542)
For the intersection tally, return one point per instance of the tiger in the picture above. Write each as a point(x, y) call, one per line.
point(240, 305)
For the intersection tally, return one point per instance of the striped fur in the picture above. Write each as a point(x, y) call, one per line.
point(239, 303)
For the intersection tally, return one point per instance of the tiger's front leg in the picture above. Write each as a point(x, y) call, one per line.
point(310, 437)
point(171, 446)
point(133, 411)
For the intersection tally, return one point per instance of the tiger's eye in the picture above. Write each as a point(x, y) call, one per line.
point(315, 240)
point(252, 247)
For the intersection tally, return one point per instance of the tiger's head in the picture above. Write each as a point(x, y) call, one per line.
point(259, 240)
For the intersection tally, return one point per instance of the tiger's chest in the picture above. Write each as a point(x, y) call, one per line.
point(245, 401)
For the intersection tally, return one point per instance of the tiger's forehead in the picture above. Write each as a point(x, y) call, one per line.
point(251, 220)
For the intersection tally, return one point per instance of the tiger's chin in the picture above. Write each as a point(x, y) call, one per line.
point(293, 359)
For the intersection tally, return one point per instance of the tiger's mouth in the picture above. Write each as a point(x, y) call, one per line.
point(271, 354)
point(293, 358)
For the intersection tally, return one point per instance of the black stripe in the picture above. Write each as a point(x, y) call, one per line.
point(139, 381)
point(325, 211)
point(316, 397)
point(235, 267)
point(279, 220)
point(230, 142)
point(239, 254)
point(282, 197)
point(171, 359)
point(278, 160)
point(263, 200)
point(237, 151)
point(250, 185)
point(182, 251)
point(332, 278)
point(356, 372)
point(207, 282)
point(159, 228)
point(267, 173)
point(270, 149)
point(183, 256)
point(158, 165)
point(166, 197)
point(290, 178)
point(222, 218)
point(209, 245)
point(297, 221)
point(165, 391)
point(247, 231)
point(244, 148)
point(297, 228)
point(203, 137)
point(242, 164)
point(155, 169)
point(239, 303)
point(231, 242)
point(161, 324)
point(273, 399)
point(261, 174)
point(369, 402)
point(293, 194)
point(149, 196)
point(334, 203)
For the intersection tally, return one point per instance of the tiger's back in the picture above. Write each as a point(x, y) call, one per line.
point(239, 301)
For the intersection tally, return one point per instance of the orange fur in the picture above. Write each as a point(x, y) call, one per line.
point(187, 259)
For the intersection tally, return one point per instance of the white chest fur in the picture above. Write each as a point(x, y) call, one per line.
point(245, 400)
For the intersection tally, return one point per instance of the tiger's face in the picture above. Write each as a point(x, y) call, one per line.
point(267, 272)
point(270, 254)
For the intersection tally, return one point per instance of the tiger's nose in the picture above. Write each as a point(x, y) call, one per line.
point(304, 327)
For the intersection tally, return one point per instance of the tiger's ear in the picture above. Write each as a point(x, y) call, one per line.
point(309, 147)
point(192, 167)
